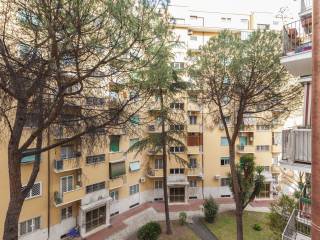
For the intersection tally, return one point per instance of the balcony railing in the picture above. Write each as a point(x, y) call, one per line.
point(177, 179)
point(296, 226)
point(296, 145)
point(297, 36)
point(245, 148)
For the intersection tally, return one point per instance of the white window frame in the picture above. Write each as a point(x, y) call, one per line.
point(68, 213)
point(193, 183)
point(158, 184)
point(114, 194)
point(157, 164)
point(134, 189)
point(67, 183)
point(33, 229)
point(193, 119)
point(30, 192)
point(224, 179)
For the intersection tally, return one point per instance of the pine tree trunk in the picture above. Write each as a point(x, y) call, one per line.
point(236, 192)
point(164, 158)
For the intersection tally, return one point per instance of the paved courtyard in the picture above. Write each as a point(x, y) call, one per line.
point(127, 223)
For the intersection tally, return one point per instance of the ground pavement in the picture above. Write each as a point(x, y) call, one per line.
point(127, 223)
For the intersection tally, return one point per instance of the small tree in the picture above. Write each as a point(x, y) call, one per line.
point(210, 208)
point(244, 80)
point(149, 231)
point(250, 179)
point(280, 212)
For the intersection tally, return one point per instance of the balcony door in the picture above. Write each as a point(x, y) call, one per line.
point(177, 194)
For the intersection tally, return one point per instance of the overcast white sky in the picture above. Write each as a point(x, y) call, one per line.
point(243, 5)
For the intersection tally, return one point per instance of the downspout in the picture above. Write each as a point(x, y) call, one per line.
point(49, 182)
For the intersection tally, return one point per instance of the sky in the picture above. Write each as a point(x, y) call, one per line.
point(244, 6)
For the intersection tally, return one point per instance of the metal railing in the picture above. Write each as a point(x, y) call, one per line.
point(297, 36)
point(296, 145)
point(296, 226)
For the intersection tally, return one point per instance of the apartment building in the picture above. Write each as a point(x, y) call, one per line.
point(83, 187)
point(296, 142)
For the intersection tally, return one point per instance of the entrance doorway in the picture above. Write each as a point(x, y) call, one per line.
point(177, 194)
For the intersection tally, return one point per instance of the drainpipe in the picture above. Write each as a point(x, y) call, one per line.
point(49, 183)
point(315, 228)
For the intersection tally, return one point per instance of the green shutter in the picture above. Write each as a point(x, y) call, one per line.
point(114, 143)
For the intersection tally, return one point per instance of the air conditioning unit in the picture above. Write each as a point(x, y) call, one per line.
point(217, 177)
point(142, 179)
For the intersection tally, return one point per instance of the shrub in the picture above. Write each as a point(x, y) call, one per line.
point(257, 227)
point(210, 209)
point(149, 231)
point(182, 218)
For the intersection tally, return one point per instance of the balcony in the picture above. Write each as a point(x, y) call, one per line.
point(297, 45)
point(195, 172)
point(306, 7)
point(296, 146)
point(194, 128)
point(117, 182)
point(243, 149)
point(194, 106)
point(194, 150)
point(177, 179)
point(62, 198)
point(154, 173)
point(68, 164)
point(297, 228)
point(247, 128)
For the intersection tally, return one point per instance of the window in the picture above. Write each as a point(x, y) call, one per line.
point(179, 106)
point(265, 191)
point(95, 218)
point(225, 19)
point(193, 183)
point(192, 163)
point(177, 65)
point(276, 138)
point(176, 170)
point(95, 159)
point(134, 189)
point(35, 191)
point(193, 38)
point(263, 26)
point(66, 213)
point(224, 141)
point(117, 169)
point(66, 183)
point(224, 182)
point(275, 178)
point(114, 195)
point(135, 119)
point(133, 141)
point(95, 101)
point(263, 148)
point(95, 187)
point(114, 143)
point(158, 184)
point(192, 120)
point(177, 149)
point(244, 20)
point(158, 163)
point(30, 158)
point(67, 152)
point(177, 127)
point(134, 166)
point(29, 226)
point(224, 161)
point(263, 127)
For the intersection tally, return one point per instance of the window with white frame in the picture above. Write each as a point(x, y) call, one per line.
point(263, 127)
point(158, 184)
point(192, 163)
point(226, 19)
point(177, 105)
point(178, 65)
point(67, 152)
point(262, 148)
point(177, 149)
point(224, 182)
point(66, 213)
point(29, 226)
point(134, 189)
point(35, 191)
point(193, 38)
point(176, 127)
point(224, 161)
point(95, 159)
point(66, 183)
point(114, 195)
point(177, 171)
point(193, 183)
point(192, 120)
point(95, 187)
point(158, 163)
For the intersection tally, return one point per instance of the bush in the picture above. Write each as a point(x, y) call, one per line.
point(210, 209)
point(257, 227)
point(149, 231)
point(182, 218)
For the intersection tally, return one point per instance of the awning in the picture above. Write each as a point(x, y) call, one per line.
point(134, 166)
point(28, 159)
